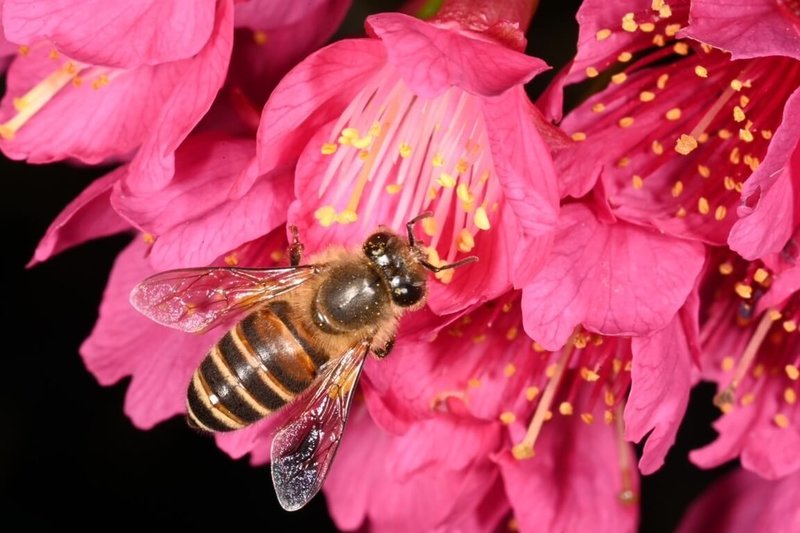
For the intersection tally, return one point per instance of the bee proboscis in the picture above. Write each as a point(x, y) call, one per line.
point(303, 332)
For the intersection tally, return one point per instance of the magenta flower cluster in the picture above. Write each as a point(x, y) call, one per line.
point(629, 247)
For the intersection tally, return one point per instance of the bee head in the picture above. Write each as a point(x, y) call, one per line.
point(399, 267)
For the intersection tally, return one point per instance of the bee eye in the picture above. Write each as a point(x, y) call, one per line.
point(406, 293)
point(375, 247)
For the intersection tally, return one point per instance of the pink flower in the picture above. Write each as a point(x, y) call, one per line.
point(742, 502)
point(751, 349)
point(384, 128)
point(689, 124)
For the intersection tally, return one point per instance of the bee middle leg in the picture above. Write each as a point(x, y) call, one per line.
point(295, 248)
point(384, 350)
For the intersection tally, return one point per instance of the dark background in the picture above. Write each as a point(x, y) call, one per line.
point(65, 438)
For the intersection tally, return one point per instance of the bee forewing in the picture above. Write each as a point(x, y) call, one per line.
point(198, 299)
point(303, 450)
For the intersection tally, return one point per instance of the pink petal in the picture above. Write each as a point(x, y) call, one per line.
point(87, 217)
point(746, 28)
point(269, 15)
point(118, 34)
point(656, 403)
point(573, 482)
point(191, 96)
point(784, 284)
point(614, 279)
point(125, 343)
point(431, 58)
point(774, 188)
point(311, 95)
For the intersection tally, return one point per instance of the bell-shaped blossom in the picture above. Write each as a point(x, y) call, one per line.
point(681, 126)
point(421, 116)
point(741, 502)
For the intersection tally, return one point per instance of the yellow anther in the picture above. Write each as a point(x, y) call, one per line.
point(609, 398)
point(747, 399)
point(565, 408)
point(790, 326)
point(276, 255)
point(328, 148)
point(659, 40)
point(616, 365)
point(736, 85)
point(647, 27)
point(326, 215)
point(509, 370)
point(790, 396)
point(578, 136)
point(375, 129)
point(466, 242)
point(685, 144)
point(743, 101)
point(792, 372)
point(362, 142)
point(746, 135)
point(429, 227)
point(24, 49)
point(599, 107)
point(725, 134)
point(673, 114)
point(703, 137)
point(702, 205)
point(624, 57)
point(638, 182)
point(701, 71)
point(624, 162)
point(531, 393)
point(704, 171)
point(761, 275)
point(550, 371)
point(628, 23)
point(482, 219)
point(507, 417)
point(743, 290)
point(619, 77)
point(727, 363)
point(766, 134)
point(655, 5)
point(393, 188)
point(625, 122)
point(647, 96)
point(665, 12)
point(512, 333)
point(437, 160)
point(446, 180)
point(538, 348)
point(729, 183)
point(473, 383)
point(751, 161)
point(363, 155)
point(260, 37)
point(781, 420)
point(681, 48)
point(774, 315)
point(720, 213)
point(657, 148)
point(592, 72)
point(522, 451)
point(681, 212)
point(462, 166)
point(100, 82)
point(348, 216)
point(462, 191)
point(661, 82)
point(588, 374)
point(53, 54)
point(148, 238)
point(738, 114)
point(548, 415)
point(405, 150)
point(588, 418)
point(603, 34)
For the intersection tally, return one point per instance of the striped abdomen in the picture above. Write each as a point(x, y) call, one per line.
point(256, 368)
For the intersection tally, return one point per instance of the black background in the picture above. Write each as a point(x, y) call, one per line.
point(69, 456)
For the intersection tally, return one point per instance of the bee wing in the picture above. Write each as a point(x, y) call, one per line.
point(198, 299)
point(303, 450)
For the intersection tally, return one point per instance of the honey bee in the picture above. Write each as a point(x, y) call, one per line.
point(303, 333)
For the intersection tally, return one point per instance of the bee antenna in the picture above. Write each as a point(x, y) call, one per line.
point(462, 262)
point(412, 241)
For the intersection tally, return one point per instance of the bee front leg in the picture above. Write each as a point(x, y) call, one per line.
point(384, 350)
point(295, 248)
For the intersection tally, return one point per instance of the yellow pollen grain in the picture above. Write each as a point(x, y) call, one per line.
point(685, 144)
point(647, 96)
point(473, 383)
point(638, 182)
point(548, 415)
point(790, 326)
point(326, 215)
point(743, 101)
point(665, 12)
point(736, 85)
point(758, 371)
point(707, 48)
point(550, 371)
point(375, 129)
point(673, 114)
point(781, 420)
point(703, 137)
point(701, 71)
point(608, 416)
point(565, 408)
point(362, 142)
point(624, 162)
point(522, 451)
point(462, 191)
point(624, 57)
point(657, 148)
point(531, 393)
point(681, 48)
point(702, 205)
point(466, 242)
point(446, 180)
point(348, 216)
point(77, 81)
point(746, 135)
point(672, 29)
point(429, 227)
point(724, 134)
point(482, 219)
point(587, 418)
point(661, 82)
point(760, 275)
point(735, 156)
point(592, 72)
point(484, 176)
point(619, 77)
point(647, 27)
point(599, 107)
point(677, 189)
point(393, 188)
point(655, 5)
point(775, 315)
point(681, 212)
point(792, 372)
point(738, 114)
point(727, 364)
point(462, 166)
point(790, 396)
point(589, 375)
point(53, 54)
point(578, 136)
point(726, 408)
point(328, 148)
point(729, 183)
point(609, 398)
point(626, 122)
point(24, 49)
point(751, 161)
point(405, 150)
point(512, 333)
point(276, 255)
point(748, 399)
point(446, 276)
point(628, 24)
point(602, 34)
point(704, 171)
point(100, 82)
point(363, 155)
point(437, 160)
point(507, 417)
point(743, 290)
point(720, 213)
point(536, 347)
point(509, 370)
point(659, 40)
point(148, 238)
point(766, 134)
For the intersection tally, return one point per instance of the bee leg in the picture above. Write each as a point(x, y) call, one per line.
point(295, 248)
point(385, 349)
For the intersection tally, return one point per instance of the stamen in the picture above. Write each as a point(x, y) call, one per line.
point(628, 494)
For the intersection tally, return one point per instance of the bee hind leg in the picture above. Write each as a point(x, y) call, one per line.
point(295, 248)
point(384, 350)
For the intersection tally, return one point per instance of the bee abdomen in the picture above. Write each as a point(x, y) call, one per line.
point(256, 368)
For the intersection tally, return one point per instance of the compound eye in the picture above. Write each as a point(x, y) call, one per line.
point(407, 293)
point(376, 246)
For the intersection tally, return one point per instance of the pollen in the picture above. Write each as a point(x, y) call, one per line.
point(348, 216)
point(748, 399)
point(328, 148)
point(775, 315)
point(766, 134)
point(638, 183)
point(761, 275)
point(781, 420)
point(405, 150)
point(608, 416)
point(232, 259)
point(276, 255)
point(362, 142)
point(588, 418)
point(661, 82)
point(743, 101)
point(446, 180)
point(512, 333)
point(647, 96)
point(626, 122)
point(550, 371)
point(790, 326)
point(507, 417)
point(647, 27)
point(665, 12)
point(704, 171)
point(565, 408)
point(429, 227)
point(608, 398)
point(326, 215)
point(347, 136)
point(531, 393)
point(701, 71)
point(702, 205)
point(603, 34)
point(522, 451)
point(437, 160)
point(482, 219)
point(466, 242)
point(463, 193)
point(746, 135)
point(744, 291)
point(624, 57)
point(685, 144)
point(729, 183)
point(659, 40)
point(724, 134)
point(473, 383)
point(790, 396)
point(681, 48)
point(657, 148)
point(578, 136)
point(592, 72)
point(720, 213)
point(792, 372)
point(589, 375)
point(599, 107)
point(738, 114)
point(673, 114)
point(148, 238)
point(394, 188)
point(681, 212)
point(727, 364)
point(628, 24)
point(619, 77)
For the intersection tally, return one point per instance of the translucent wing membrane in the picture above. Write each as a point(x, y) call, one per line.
point(198, 299)
point(302, 451)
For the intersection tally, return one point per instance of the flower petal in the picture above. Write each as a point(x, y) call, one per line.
point(269, 15)
point(746, 28)
point(609, 278)
point(87, 217)
point(118, 34)
point(431, 58)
